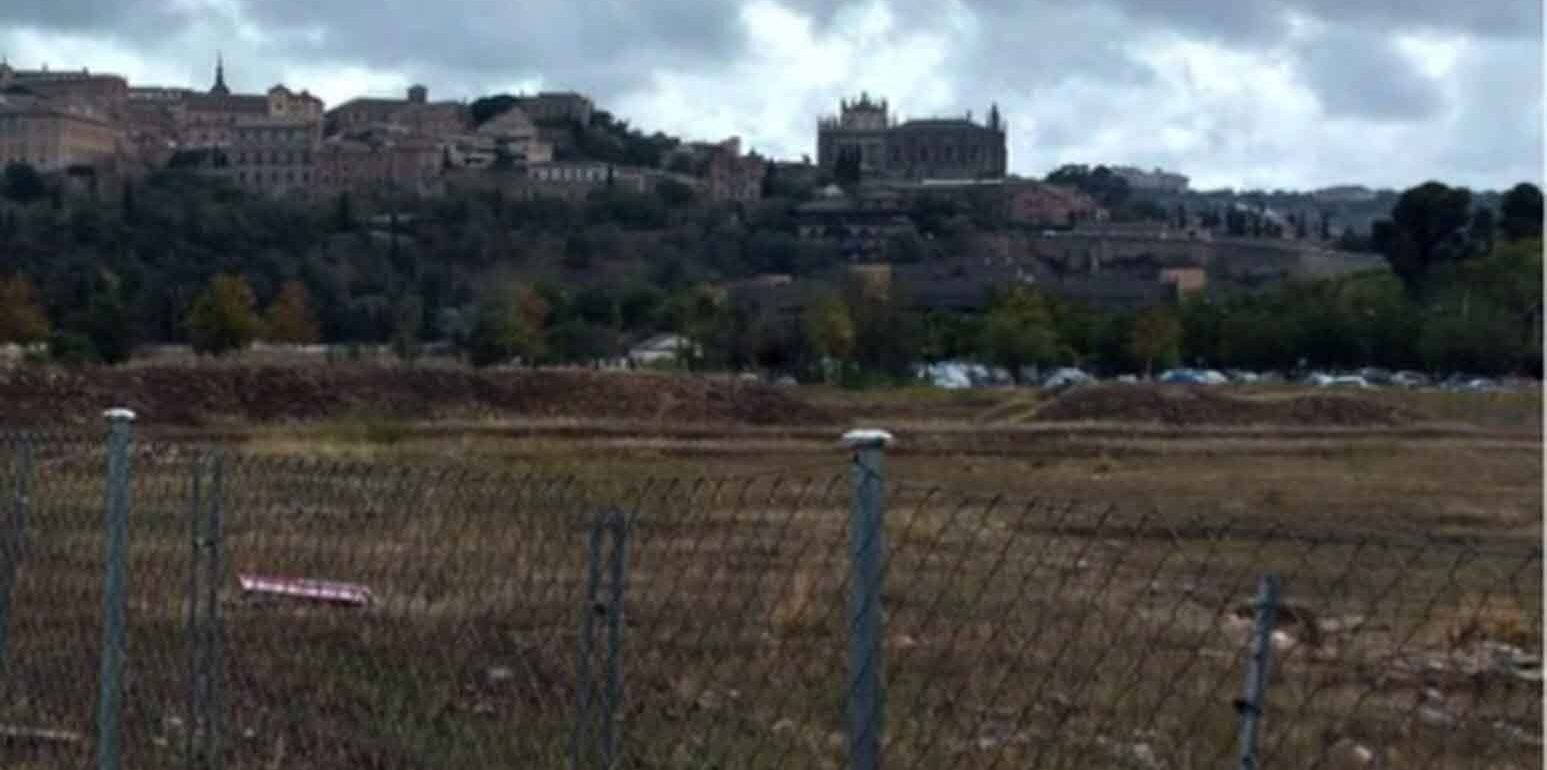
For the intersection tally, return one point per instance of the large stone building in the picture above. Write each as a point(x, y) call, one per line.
point(210, 120)
point(516, 137)
point(556, 106)
point(734, 177)
point(105, 93)
point(1157, 180)
point(377, 161)
point(929, 148)
point(53, 134)
point(273, 155)
point(415, 113)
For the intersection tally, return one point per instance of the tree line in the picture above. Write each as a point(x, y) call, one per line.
point(499, 278)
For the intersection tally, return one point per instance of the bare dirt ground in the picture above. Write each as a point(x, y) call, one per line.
point(1068, 586)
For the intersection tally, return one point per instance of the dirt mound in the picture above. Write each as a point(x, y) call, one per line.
point(202, 395)
point(1188, 405)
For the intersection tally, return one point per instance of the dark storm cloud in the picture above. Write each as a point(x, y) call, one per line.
point(135, 20)
point(1052, 64)
point(612, 46)
point(1354, 76)
point(1248, 22)
point(605, 47)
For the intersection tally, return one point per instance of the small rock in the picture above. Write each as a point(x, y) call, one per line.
point(1340, 625)
point(783, 726)
point(1348, 754)
point(250, 734)
point(499, 674)
point(1138, 754)
point(1518, 734)
point(1283, 642)
point(1435, 717)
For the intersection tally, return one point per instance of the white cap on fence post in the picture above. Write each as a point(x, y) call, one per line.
point(119, 413)
point(867, 438)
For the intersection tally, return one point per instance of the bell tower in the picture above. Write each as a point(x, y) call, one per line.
point(219, 89)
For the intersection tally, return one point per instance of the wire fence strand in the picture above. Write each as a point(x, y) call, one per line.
point(382, 615)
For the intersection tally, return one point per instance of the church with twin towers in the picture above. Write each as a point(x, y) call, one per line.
point(954, 148)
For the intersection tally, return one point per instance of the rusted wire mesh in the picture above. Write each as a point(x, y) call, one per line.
point(1017, 632)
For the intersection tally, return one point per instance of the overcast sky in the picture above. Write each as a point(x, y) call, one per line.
point(1240, 93)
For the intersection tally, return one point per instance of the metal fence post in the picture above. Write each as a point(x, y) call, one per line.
point(613, 694)
point(867, 550)
point(109, 711)
point(191, 745)
point(585, 688)
point(14, 540)
point(1250, 705)
point(205, 634)
point(589, 724)
point(215, 639)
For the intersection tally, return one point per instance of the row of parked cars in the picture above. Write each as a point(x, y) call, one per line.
point(957, 375)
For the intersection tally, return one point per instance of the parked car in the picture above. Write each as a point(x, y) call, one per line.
point(1064, 378)
point(946, 375)
point(1410, 379)
point(1194, 377)
point(1342, 381)
point(1375, 375)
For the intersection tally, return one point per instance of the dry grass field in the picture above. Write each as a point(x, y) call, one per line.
point(1059, 594)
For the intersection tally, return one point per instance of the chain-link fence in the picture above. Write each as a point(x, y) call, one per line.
point(314, 614)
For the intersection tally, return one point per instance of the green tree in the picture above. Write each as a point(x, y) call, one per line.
point(1018, 332)
point(22, 319)
point(486, 108)
point(640, 308)
point(1481, 229)
point(1157, 339)
point(1201, 323)
point(408, 318)
point(1428, 225)
point(1101, 183)
point(829, 328)
point(105, 321)
point(1521, 212)
point(507, 324)
point(1474, 336)
point(697, 313)
point(224, 319)
point(674, 193)
point(290, 318)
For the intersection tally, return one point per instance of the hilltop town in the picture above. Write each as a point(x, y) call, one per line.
point(862, 193)
point(393, 219)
